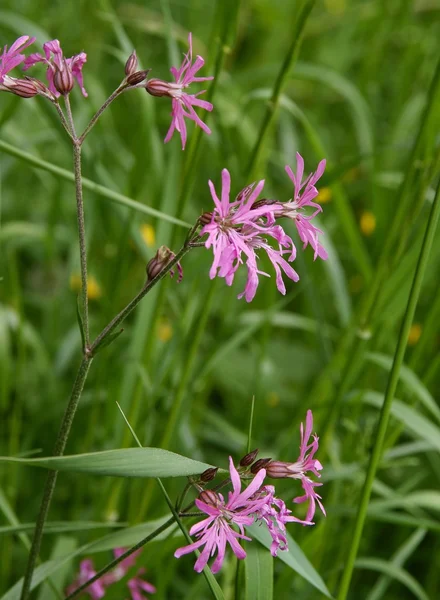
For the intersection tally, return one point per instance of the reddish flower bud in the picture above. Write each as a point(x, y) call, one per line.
point(209, 474)
point(137, 77)
point(209, 497)
point(263, 202)
point(249, 458)
point(63, 78)
point(206, 218)
point(260, 464)
point(159, 261)
point(157, 87)
point(20, 87)
point(131, 64)
point(278, 470)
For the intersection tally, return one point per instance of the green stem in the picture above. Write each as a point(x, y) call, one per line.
point(99, 112)
point(116, 561)
point(81, 225)
point(132, 305)
point(389, 394)
point(60, 445)
point(280, 82)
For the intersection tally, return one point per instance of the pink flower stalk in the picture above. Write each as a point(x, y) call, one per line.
point(304, 194)
point(216, 530)
point(87, 570)
point(305, 464)
point(182, 103)
point(237, 228)
point(59, 69)
point(9, 59)
point(275, 514)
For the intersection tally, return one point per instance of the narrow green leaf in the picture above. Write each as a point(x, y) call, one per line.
point(294, 558)
point(258, 573)
point(59, 527)
point(130, 462)
point(397, 573)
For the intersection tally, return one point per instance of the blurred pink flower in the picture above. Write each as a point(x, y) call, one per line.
point(86, 571)
point(9, 59)
point(58, 63)
point(216, 530)
point(238, 228)
point(305, 464)
point(136, 585)
point(182, 103)
point(304, 194)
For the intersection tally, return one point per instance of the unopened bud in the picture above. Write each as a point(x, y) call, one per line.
point(63, 79)
point(20, 87)
point(131, 64)
point(209, 497)
point(263, 202)
point(206, 218)
point(159, 261)
point(209, 474)
point(137, 77)
point(157, 87)
point(260, 464)
point(249, 458)
point(278, 470)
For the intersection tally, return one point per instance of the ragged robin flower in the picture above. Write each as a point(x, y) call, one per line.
point(182, 103)
point(305, 466)
point(60, 71)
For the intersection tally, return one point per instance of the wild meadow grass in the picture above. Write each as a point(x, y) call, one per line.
point(196, 371)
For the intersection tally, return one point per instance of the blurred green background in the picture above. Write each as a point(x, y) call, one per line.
point(357, 97)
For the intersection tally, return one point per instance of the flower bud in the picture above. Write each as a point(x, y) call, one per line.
point(157, 87)
point(131, 64)
point(137, 77)
point(206, 218)
point(209, 474)
point(249, 458)
point(278, 470)
point(63, 79)
point(159, 261)
point(20, 87)
point(209, 497)
point(263, 202)
point(260, 464)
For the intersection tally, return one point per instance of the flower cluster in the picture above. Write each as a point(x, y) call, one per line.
point(61, 74)
point(97, 590)
point(254, 504)
point(237, 230)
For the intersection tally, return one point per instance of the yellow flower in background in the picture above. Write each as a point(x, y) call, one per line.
point(273, 399)
point(148, 235)
point(414, 334)
point(324, 196)
point(94, 290)
point(336, 7)
point(164, 330)
point(367, 222)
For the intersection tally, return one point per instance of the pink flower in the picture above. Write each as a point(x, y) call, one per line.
point(182, 103)
point(216, 530)
point(238, 229)
point(275, 515)
point(136, 585)
point(9, 59)
point(305, 464)
point(304, 194)
point(57, 64)
point(86, 570)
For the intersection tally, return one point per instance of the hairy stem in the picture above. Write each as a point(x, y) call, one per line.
point(99, 112)
point(60, 445)
point(81, 225)
point(389, 395)
point(132, 305)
